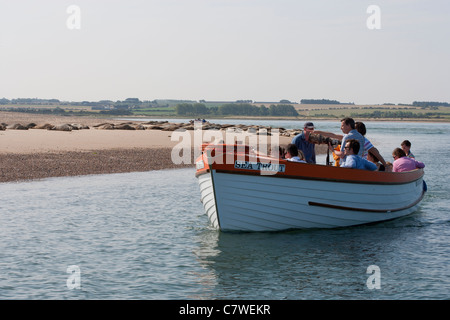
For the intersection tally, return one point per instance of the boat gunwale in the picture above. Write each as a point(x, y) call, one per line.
point(303, 171)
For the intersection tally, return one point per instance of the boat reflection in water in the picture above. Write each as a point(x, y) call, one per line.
point(244, 191)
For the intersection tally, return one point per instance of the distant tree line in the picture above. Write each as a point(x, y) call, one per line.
point(128, 103)
point(121, 112)
point(396, 115)
point(322, 101)
point(28, 101)
point(430, 104)
point(56, 111)
point(61, 112)
point(191, 109)
point(235, 109)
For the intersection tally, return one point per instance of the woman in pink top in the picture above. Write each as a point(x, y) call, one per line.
point(403, 163)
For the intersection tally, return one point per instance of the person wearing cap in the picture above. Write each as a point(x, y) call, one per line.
point(303, 144)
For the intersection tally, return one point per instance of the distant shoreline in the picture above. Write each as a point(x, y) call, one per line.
point(300, 119)
point(318, 112)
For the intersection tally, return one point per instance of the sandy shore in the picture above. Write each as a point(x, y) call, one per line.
point(37, 141)
point(106, 146)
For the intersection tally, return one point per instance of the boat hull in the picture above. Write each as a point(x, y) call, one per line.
point(208, 198)
point(303, 196)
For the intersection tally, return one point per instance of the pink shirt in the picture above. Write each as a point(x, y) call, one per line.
point(406, 164)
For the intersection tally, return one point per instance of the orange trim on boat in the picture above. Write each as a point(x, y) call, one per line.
point(220, 161)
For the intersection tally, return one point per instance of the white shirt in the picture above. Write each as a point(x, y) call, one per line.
point(296, 159)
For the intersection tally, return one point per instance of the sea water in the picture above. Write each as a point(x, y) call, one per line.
point(145, 236)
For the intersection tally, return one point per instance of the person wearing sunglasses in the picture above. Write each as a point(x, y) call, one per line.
point(403, 163)
point(353, 160)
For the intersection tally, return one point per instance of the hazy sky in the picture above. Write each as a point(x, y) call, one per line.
point(226, 50)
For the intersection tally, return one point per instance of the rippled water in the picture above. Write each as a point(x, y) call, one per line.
point(145, 236)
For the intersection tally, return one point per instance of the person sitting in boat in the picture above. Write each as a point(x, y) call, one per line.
point(388, 166)
point(303, 144)
point(281, 152)
point(336, 157)
point(368, 146)
point(353, 160)
point(406, 147)
point(293, 154)
point(373, 158)
point(403, 163)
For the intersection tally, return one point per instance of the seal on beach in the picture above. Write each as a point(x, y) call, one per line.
point(62, 127)
point(46, 126)
point(17, 126)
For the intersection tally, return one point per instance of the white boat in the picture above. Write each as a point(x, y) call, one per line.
point(241, 192)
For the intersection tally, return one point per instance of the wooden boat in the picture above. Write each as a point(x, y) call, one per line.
point(243, 191)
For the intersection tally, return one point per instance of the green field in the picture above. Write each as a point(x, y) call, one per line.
point(373, 112)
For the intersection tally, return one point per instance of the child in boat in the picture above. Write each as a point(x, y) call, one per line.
point(368, 146)
point(406, 147)
point(336, 157)
point(281, 152)
point(293, 154)
point(388, 166)
point(373, 158)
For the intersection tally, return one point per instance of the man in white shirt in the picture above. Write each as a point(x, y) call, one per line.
point(350, 132)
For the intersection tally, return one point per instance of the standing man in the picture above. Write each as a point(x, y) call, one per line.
point(348, 128)
point(303, 144)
